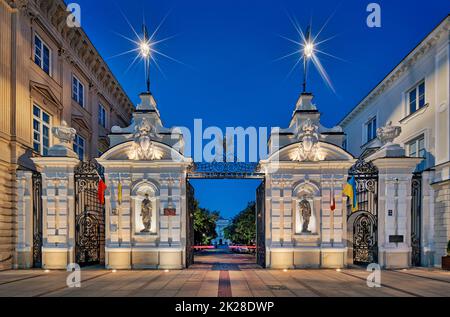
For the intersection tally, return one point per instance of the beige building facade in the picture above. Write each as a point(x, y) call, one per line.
point(61, 106)
point(49, 73)
point(415, 96)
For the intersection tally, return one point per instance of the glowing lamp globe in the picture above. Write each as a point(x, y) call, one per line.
point(309, 49)
point(144, 49)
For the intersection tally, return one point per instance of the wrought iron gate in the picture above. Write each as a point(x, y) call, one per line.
point(190, 204)
point(365, 219)
point(260, 225)
point(37, 219)
point(89, 215)
point(416, 218)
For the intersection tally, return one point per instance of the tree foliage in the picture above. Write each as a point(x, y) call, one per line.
point(204, 225)
point(242, 229)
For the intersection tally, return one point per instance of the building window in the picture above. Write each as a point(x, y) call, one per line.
point(416, 147)
point(77, 91)
point(101, 116)
point(344, 144)
point(41, 130)
point(371, 129)
point(416, 98)
point(79, 146)
point(42, 54)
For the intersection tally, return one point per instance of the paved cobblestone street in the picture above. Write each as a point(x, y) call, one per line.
point(225, 274)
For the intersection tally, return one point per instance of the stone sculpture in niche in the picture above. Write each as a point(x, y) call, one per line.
point(146, 214)
point(305, 211)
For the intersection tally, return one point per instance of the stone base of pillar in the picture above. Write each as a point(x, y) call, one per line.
point(333, 258)
point(395, 259)
point(281, 258)
point(307, 258)
point(171, 259)
point(55, 258)
point(118, 258)
point(24, 259)
point(144, 258)
point(427, 258)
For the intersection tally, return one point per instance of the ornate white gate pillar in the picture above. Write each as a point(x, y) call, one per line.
point(24, 244)
point(146, 214)
point(58, 232)
point(395, 172)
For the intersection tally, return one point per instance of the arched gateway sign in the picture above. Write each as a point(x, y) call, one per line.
point(302, 218)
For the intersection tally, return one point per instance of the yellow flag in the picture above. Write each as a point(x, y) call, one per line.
point(119, 193)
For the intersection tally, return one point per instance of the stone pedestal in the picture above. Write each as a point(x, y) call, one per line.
point(143, 164)
point(24, 244)
point(58, 234)
point(394, 206)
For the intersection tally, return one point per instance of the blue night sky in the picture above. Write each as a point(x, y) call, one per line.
point(229, 48)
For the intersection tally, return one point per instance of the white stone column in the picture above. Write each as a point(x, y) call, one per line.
point(118, 221)
point(441, 189)
point(171, 198)
point(164, 220)
point(24, 244)
point(394, 208)
point(333, 248)
point(427, 230)
point(58, 202)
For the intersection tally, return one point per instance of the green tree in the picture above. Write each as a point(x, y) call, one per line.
point(242, 229)
point(204, 225)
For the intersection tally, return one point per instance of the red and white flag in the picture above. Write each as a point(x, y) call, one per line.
point(101, 191)
point(332, 198)
point(101, 188)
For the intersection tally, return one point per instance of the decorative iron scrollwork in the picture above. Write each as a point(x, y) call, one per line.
point(365, 244)
point(88, 238)
point(89, 214)
point(225, 167)
point(363, 167)
point(37, 219)
point(416, 219)
point(89, 167)
point(364, 239)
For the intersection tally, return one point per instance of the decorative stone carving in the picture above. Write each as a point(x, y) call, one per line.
point(309, 148)
point(64, 133)
point(388, 133)
point(305, 211)
point(143, 147)
point(146, 214)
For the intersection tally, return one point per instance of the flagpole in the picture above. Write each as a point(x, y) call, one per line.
point(118, 218)
point(307, 54)
point(332, 213)
point(147, 58)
